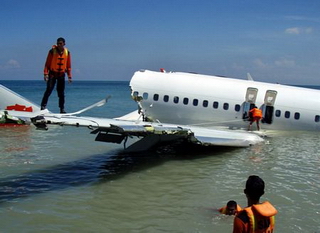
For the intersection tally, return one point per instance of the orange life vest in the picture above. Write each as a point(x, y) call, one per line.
point(59, 61)
point(223, 210)
point(261, 217)
point(256, 112)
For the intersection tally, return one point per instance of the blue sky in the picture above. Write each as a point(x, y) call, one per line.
point(276, 41)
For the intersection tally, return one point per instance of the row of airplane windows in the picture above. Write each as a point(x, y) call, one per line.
point(225, 106)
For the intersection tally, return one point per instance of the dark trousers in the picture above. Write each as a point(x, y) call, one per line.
point(60, 90)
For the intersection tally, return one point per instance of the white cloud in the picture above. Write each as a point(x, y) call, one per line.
point(11, 64)
point(302, 18)
point(292, 31)
point(297, 31)
point(259, 63)
point(284, 62)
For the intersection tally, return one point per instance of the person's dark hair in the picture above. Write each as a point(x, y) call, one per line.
point(254, 187)
point(61, 39)
point(231, 203)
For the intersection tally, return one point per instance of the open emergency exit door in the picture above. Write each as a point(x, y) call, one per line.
point(251, 96)
point(268, 109)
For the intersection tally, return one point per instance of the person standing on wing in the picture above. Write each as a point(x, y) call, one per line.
point(57, 64)
point(255, 115)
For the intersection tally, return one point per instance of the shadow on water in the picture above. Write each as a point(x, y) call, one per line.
point(92, 170)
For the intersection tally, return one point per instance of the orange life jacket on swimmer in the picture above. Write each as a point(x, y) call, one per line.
point(261, 217)
point(256, 112)
point(223, 210)
point(59, 61)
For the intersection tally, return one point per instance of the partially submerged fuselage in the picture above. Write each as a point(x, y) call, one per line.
point(210, 101)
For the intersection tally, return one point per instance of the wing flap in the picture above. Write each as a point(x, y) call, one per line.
point(210, 141)
point(225, 137)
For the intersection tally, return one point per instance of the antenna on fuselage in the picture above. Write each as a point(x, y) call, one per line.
point(249, 77)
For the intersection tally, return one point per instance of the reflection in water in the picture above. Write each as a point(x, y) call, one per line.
point(87, 171)
point(15, 138)
point(94, 169)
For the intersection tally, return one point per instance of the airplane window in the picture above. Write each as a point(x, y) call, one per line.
point(195, 102)
point(205, 103)
point(287, 114)
point(317, 118)
point(278, 113)
point(145, 96)
point(296, 115)
point(185, 100)
point(176, 99)
point(166, 98)
point(237, 107)
point(215, 104)
point(155, 97)
point(225, 106)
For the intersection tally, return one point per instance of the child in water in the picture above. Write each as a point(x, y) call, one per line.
point(232, 208)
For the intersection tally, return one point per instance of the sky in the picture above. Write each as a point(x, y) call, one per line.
point(275, 41)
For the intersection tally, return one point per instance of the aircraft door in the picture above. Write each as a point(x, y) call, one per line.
point(251, 96)
point(269, 101)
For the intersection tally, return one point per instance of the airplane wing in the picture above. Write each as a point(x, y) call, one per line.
point(150, 134)
point(120, 130)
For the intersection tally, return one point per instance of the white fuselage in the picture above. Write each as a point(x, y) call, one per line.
point(203, 100)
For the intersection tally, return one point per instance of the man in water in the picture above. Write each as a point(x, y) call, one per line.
point(232, 208)
point(57, 64)
point(257, 217)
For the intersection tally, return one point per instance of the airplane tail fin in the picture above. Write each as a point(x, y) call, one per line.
point(11, 101)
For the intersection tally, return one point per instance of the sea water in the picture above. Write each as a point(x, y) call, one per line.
point(61, 180)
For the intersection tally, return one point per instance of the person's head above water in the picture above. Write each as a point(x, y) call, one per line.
point(231, 208)
point(254, 188)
